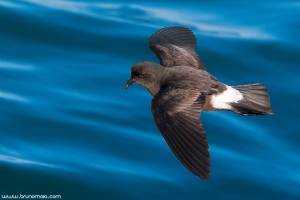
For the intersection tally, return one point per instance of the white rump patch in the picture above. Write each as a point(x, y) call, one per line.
point(230, 95)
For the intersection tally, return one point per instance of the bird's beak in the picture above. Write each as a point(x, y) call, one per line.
point(129, 82)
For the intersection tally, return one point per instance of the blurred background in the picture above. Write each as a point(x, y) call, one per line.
point(68, 127)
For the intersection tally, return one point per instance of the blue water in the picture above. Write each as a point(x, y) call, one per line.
point(68, 127)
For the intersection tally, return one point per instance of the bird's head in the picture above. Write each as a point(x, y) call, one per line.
point(148, 75)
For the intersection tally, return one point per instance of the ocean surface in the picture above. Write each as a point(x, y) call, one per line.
point(68, 127)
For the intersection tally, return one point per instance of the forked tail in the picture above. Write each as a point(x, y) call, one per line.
point(257, 100)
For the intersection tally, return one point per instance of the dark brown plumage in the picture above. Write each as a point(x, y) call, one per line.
point(175, 46)
point(181, 88)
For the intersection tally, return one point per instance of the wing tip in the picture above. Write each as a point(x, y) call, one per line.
point(168, 42)
point(205, 177)
point(177, 35)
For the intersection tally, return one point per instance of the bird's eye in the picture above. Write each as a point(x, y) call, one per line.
point(142, 74)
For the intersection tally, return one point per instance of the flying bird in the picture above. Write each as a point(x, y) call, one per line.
point(182, 88)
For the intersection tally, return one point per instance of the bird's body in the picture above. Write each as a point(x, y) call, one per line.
point(182, 88)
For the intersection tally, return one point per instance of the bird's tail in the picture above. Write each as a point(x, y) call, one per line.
point(257, 100)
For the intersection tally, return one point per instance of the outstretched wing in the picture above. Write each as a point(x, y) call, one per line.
point(175, 46)
point(177, 116)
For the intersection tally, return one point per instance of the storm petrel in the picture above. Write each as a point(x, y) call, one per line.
point(182, 88)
